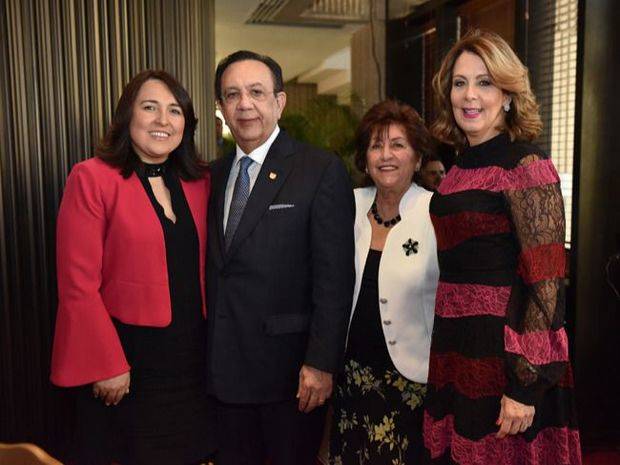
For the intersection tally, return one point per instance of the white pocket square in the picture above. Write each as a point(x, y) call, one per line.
point(280, 206)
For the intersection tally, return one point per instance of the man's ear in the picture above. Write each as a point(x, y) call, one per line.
point(281, 99)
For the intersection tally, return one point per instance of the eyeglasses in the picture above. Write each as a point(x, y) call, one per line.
point(233, 96)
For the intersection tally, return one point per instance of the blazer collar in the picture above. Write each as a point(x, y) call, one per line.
point(406, 201)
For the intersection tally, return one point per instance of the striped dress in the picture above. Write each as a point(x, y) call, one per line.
point(499, 221)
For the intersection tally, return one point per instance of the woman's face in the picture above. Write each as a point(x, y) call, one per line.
point(476, 101)
point(390, 159)
point(157, 122)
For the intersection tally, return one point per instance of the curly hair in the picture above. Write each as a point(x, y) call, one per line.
point(115, 147)
point(507, 72)
point(379, 118)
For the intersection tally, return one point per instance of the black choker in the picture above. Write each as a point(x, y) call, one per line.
point(152, 170)
point(378, 219)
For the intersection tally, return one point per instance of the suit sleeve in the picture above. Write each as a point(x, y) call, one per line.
point(86, 345)
point(333, 268)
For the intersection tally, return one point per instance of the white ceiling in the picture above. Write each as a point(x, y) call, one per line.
point(297, 49)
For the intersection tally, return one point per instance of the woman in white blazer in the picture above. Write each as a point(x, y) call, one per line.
point(377, 405)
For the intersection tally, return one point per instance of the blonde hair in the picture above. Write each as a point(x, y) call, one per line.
point(522, 122)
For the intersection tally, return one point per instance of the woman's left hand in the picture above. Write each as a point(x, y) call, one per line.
point(514, 417)
point(112, 390)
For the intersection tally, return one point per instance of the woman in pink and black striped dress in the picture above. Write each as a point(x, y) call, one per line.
point(500, 387)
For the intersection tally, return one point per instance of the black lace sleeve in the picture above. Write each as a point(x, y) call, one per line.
point(535, 341)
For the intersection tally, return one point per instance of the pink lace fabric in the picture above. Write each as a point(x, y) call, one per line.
point(558, 446)
point(459, 300)
point(453, 229)
point(474, 378)
point(498, 179)
point(538, 348)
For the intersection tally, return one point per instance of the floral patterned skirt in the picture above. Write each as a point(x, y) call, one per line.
point(377, 417)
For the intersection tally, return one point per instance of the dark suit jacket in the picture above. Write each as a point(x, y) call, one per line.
point(281, 296)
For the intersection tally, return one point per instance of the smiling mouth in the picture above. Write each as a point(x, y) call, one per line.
point(471, 112)
point(387, 168)
point(159, 134)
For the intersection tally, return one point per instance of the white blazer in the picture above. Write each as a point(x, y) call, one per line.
point(407, 283)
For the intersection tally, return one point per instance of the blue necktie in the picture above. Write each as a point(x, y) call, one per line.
point(239, 199)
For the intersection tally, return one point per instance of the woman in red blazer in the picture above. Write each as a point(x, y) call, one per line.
point(131, 244)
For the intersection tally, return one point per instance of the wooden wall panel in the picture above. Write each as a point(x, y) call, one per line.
point(298, 96)
point(368, 55)
point(367, 82)
point(492, 15)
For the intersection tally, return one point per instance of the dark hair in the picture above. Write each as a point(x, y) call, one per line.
point(431, 157)
point(243, 55)
point(115, 147)
point(417, 176)
point(379, 118)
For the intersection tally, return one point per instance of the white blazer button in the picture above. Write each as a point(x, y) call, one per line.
point(387, 322)
point(391, 343)
point(383, 300)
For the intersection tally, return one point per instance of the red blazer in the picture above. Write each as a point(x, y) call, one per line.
point(111, 262)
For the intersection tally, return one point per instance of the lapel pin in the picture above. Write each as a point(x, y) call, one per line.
point(272, 176)
point(410, 247)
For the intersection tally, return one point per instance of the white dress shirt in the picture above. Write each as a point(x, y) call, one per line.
point(258, 156)
point(407, 283)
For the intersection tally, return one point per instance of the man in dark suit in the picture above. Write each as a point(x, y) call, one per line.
point(280, 274)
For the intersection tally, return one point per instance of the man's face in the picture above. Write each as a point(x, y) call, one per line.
point(432, 174)
point(248, 102)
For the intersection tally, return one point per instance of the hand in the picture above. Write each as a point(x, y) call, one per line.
point(514, 417)
point(112, 390)
point(315, 386)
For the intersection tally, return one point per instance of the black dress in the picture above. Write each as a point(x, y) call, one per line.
point(499, 312)
point(165, 418)
point(377, 411)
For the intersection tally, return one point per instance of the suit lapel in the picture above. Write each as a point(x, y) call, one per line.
point(219, 173)
point(271, 177)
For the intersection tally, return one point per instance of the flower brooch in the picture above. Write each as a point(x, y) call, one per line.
point(410, 247)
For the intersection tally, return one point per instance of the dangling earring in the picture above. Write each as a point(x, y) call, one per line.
point(507, 106)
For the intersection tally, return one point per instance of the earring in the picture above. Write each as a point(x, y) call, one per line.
point(507, 106)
